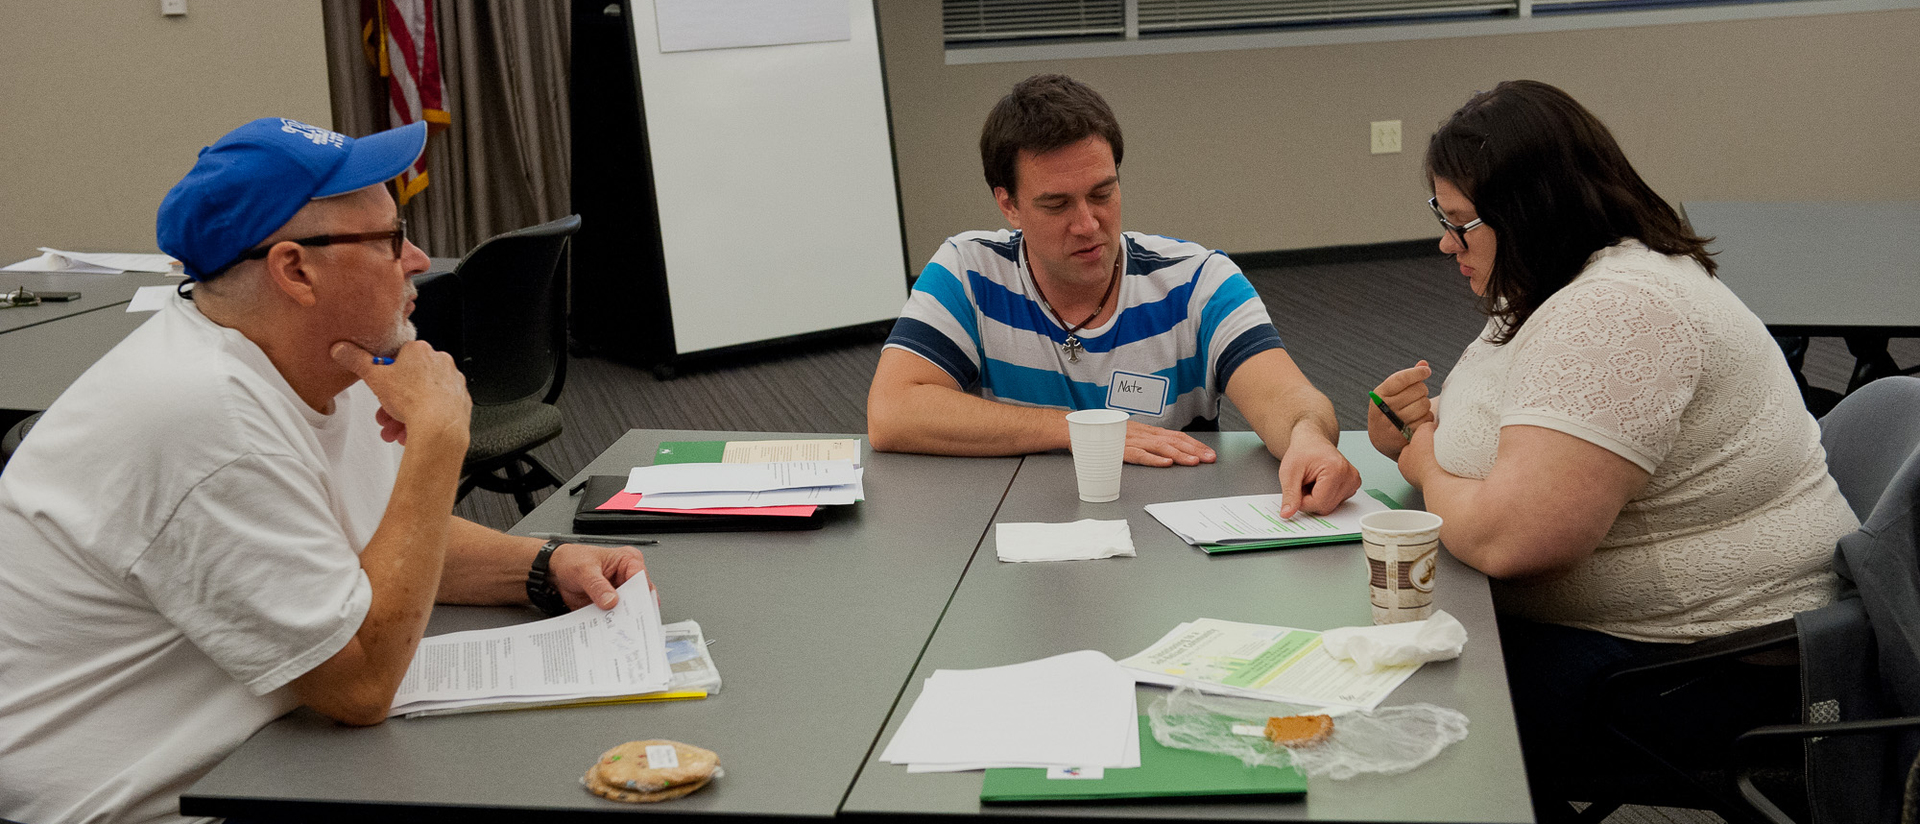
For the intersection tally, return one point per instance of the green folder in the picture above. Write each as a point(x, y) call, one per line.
point(1283, 543)
point(1164, 772)
point(680, 452)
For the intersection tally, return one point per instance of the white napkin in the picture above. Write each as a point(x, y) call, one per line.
point(1439, 638)
point(1082, 540)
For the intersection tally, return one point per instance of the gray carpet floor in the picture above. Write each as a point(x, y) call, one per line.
point(1348, 325)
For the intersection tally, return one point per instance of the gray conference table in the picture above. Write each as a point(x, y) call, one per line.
point(45, 348)
point(96, 292)
point(1840, 269)
point(1008, 613)
point(813, 632)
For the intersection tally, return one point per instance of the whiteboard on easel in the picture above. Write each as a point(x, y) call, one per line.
point(773, 173)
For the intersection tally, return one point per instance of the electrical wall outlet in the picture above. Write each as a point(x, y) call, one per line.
point(173, 8)
point(1386, 137)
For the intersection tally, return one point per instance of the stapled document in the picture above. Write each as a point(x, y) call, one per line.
point(586, 653)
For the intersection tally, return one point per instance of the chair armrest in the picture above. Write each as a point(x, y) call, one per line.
point(1754, 739)
point(1686, 658)
point(1677, 665)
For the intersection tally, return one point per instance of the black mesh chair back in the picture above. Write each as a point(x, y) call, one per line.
point(513, 342)
point(510, 297)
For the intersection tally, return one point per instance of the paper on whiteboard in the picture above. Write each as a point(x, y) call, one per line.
point(694, 25)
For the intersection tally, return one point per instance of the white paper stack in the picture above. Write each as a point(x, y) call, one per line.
point(783, 483)
point(1071, 710)
point(1255, 519)
point(586, 653)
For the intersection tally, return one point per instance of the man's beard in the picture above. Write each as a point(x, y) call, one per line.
point(388, 345)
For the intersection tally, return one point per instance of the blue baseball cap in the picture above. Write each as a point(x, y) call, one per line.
point(249, 183)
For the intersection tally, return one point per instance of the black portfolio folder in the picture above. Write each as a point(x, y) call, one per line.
point(601, 488)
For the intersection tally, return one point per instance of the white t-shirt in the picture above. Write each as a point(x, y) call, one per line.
point(1649, 358)
point(180, 538)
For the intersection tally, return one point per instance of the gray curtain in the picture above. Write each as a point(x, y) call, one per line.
point(505, 161)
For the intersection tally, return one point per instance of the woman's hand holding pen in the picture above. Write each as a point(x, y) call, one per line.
point(1402, 395)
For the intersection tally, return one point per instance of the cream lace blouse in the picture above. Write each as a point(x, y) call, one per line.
point(1651, 359)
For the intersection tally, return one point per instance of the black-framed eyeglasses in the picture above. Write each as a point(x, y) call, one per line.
point(1459, 232)
point(398, 236)
point(18, 297)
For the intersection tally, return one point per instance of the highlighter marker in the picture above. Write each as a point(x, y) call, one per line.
point(1391, 418)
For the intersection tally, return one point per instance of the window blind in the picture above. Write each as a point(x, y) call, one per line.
point(974, 22)
point(967, 21)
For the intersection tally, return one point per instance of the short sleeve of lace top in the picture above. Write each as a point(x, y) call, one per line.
point(1611, 359)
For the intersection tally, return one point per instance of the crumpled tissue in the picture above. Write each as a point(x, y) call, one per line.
point(1082, 540)
point(1439, 638)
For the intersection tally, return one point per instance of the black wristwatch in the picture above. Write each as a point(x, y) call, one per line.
point(540, 588)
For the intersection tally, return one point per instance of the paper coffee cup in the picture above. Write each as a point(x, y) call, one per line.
point(1403, 554)
point(1099, 439)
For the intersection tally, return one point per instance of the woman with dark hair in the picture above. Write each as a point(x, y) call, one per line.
point(1623, 450)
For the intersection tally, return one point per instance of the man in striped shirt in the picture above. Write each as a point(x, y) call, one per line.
point(1006, 331)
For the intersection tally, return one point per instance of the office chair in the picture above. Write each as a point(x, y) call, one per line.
point(1858, 658)
point(511, 294)
point(10, 442)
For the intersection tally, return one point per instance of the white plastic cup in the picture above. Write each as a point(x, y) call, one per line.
point(1403, 554)
point(1099, 438)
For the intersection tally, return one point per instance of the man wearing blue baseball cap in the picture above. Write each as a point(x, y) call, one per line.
point(244, 507)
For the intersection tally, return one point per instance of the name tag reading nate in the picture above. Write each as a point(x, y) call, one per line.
point(1134, 392)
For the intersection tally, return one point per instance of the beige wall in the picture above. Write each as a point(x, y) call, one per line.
point(104, 104)
point(1267, 149)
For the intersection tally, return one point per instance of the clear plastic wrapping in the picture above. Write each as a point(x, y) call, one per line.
point(1387, 740)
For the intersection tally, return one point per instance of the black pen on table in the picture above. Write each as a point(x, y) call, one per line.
point(614, 540)
point(1391, 418)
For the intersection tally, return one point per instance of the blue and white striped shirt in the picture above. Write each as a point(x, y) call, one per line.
point(1187, 319)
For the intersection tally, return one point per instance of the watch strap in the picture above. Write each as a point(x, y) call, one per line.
point(540, 588)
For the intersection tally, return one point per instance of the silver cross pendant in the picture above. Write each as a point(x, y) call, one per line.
point(1073, 349)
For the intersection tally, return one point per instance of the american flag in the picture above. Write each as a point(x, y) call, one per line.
point(399, 39)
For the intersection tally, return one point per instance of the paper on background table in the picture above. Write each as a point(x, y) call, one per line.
point(149, 298)
point(754, 477)
point(589, 652)
point(94, 263)
point(1256, 518)
point(1075, 709)
point(823, 449)
point(1259, 661)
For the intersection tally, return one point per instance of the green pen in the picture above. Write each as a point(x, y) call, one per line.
point(1391, 418)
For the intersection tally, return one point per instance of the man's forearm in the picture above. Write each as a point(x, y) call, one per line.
point(936, 420)
point(1278, 422)
point(485, 566)
point(403, 562)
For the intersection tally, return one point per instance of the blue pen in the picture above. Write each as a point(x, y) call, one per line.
point(382, 360)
